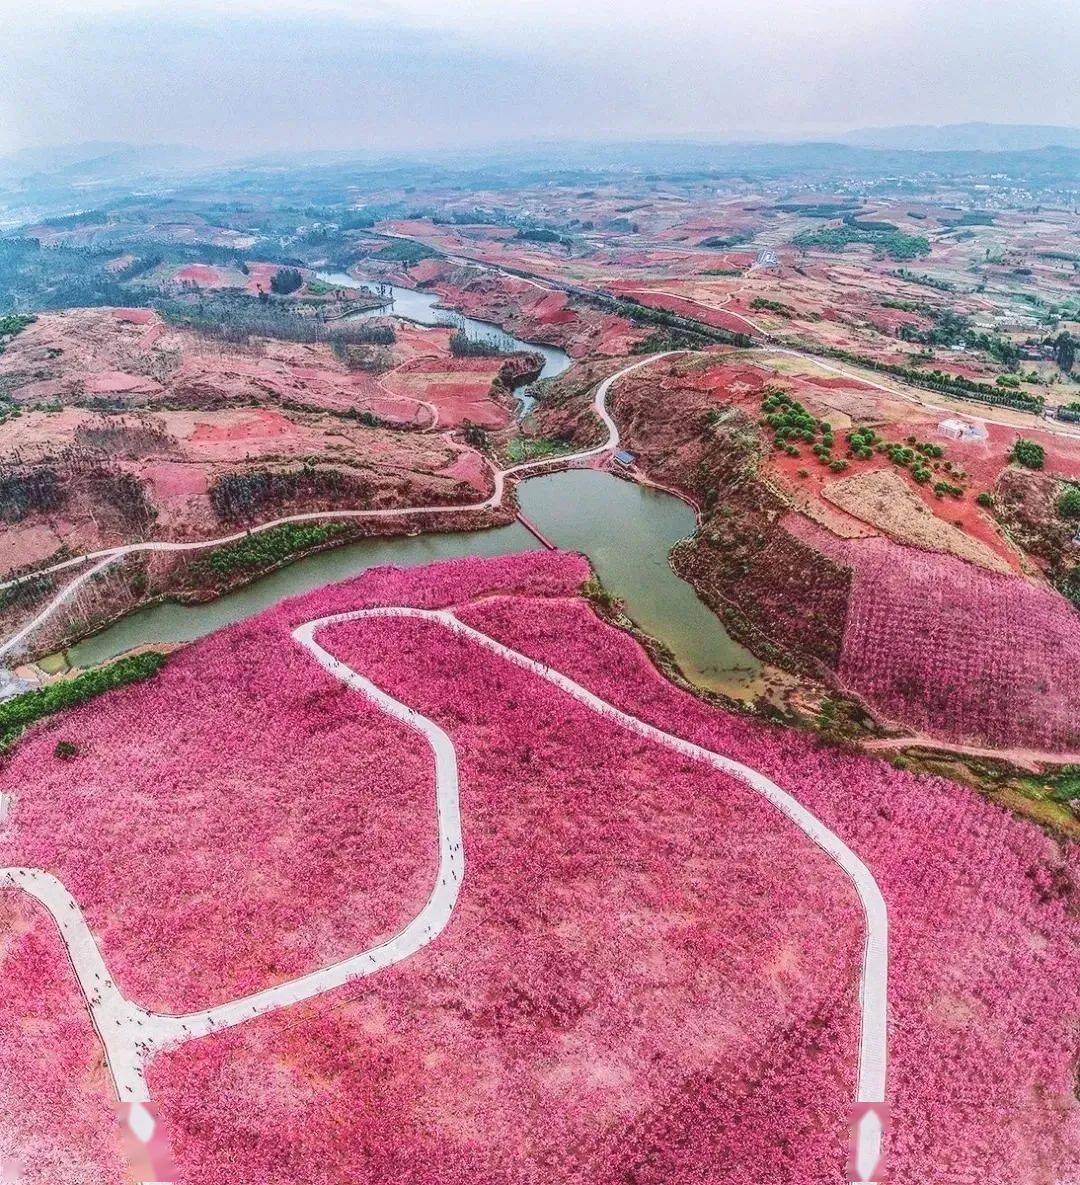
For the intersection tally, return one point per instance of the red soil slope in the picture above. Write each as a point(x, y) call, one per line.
point(182, 410)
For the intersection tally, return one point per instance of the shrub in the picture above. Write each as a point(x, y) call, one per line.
point(1028, 453)
point(376, 334)
point(286, 280)
point(1069, 503)
point(256, 553)
point(13, 323)
point(406, 251)
point(465, 345)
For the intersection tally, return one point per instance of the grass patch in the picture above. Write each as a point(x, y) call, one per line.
point(19, 712)
point(533, 448)
point(1064, 786)
point(266, 549)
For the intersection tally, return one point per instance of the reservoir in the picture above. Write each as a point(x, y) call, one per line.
point(625, 529)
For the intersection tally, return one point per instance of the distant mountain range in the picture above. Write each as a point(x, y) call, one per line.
point(62, 179)
point(104, 161)
point(965, 137)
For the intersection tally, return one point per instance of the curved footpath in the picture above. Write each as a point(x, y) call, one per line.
point(132, 1036)
point(111, 555)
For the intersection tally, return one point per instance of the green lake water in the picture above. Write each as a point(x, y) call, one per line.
point(625, 529)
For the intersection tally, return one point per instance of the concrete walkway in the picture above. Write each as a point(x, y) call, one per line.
point(103, 559)
point(132, 1036)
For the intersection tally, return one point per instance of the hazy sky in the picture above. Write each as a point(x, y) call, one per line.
point(385, 74)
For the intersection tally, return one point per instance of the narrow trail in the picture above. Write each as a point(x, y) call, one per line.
point(535, 531)
point(1033, 760)
point(132, 1036)
point(108, 556)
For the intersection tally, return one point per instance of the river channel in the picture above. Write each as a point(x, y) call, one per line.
point(625, 529)
point(421, 307)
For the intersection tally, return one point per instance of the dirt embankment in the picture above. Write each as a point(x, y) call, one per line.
point(527, 309)
point(1028, 506)
point(782, 598)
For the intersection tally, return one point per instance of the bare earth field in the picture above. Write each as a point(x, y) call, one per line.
point(117, 402)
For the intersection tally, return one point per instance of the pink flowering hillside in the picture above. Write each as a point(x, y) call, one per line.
point(235, 821)
point(626, 948)
point(649, 976)
point(962, 653)
point(56, 1118)
point(241, 818)
point(983, 915)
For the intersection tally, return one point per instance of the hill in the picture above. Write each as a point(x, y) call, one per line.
point(965, 137)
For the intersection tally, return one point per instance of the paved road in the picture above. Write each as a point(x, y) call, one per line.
point(108, 556)
point(1055, 427)
point(131, 1036)
point(105, 558)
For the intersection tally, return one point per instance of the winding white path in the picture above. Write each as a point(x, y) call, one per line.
point(131, 1036)
point(108, 556)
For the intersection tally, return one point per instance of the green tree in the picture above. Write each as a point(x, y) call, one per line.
point(1029, 454)
point(286, 280)
point(1069, 503)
